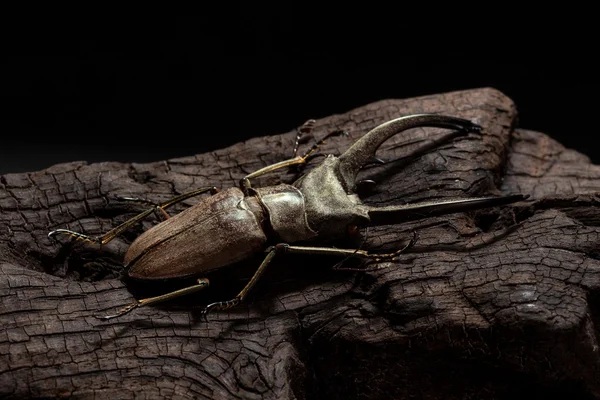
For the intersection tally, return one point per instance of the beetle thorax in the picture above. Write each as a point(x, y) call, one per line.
point(330, 208)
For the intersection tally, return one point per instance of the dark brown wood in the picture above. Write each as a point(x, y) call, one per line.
point(500, 303)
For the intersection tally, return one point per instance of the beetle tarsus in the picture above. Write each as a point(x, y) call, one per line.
point(220, 305)
point(374, 258)
point(122, 311)
point(137, 200)
point(75, 235)
point(394, 256)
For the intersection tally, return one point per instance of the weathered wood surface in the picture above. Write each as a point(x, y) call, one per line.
point(501, 303)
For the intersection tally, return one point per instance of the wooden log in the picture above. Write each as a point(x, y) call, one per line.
point(493, 304)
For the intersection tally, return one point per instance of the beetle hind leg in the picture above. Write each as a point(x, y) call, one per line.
point(202, 283)
point(221, 305)
point(224, 305)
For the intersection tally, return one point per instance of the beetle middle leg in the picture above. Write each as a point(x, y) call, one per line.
point(286, 248)
point(349, 253)
point(373, 258)
point(113, 233)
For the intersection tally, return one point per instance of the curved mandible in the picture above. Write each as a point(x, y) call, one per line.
point(363, 150)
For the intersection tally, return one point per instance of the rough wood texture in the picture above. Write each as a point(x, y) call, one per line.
point(502, 303)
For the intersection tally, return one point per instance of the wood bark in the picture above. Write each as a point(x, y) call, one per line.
point(501, 303)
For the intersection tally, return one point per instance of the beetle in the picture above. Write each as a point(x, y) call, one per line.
point(234, 224)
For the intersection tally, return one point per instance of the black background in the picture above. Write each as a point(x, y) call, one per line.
point(143, 89)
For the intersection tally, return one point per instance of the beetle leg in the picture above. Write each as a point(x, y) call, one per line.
point(297, 160)
point(224, 305)
point(146, 202)
point(245, 181)
point(113, 233)
point(286, 248)
point(349, 253)
point(320, 251)
point(202, 283)
point(379, 257)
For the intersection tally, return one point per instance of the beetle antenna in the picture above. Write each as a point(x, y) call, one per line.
point(304, 129)
point(315, 147)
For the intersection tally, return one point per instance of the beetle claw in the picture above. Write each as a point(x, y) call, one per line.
point(220, 305)
point(74, 235)
point(207, 310)
point(123, 311)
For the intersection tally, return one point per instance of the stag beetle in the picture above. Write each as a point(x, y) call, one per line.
point(236, 223)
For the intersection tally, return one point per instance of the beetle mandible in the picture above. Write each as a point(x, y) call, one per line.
point(238, 222)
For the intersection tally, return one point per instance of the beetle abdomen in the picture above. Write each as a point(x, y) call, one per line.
point(218, 231)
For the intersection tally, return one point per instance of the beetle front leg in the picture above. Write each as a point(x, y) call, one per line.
point(297, 160)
